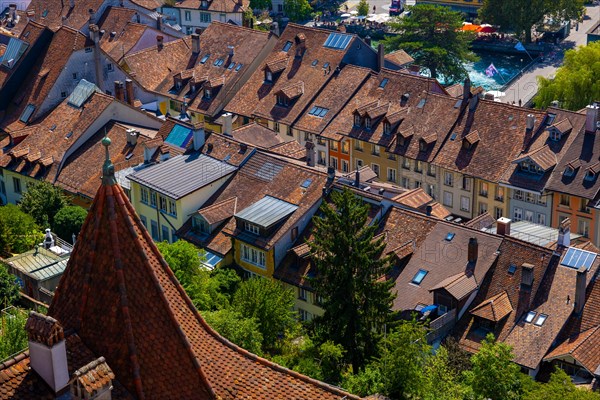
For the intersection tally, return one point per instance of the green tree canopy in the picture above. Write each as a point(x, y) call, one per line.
point(13, 337)
point(183, 258)
point(520, 16)
point(297, 10)
point(270, 303)
point(363, 8)
point(577, 81)
point(242, 331)
point(559, 387)
point(68, 221)
point(357, 303)
point(42, 201)
point(493, 374)
point(18, 231)
point(432, 36)
point(9, 289)
point(260, 4)
point(213, 290)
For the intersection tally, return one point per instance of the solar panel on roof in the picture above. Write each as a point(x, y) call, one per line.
point(81, 93)
point(337, 41)
point(27, 113)
point(577, 258)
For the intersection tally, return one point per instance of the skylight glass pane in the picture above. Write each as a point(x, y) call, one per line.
point(512, 268)
point(384, 82)
point(453, 136)
point(450, 236)
point(313, 110)
point(315, 63)
point(530, 316)
point(541, 319)
point(421, 103)
point(326, 65)
point(231, 65)
point(27, 113)
point(239, 66)
point(419, 277)
point(306, 183)
point(287, 46)
point(323, 112)
point(204, 59)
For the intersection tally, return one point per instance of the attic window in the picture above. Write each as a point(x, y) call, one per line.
point(357, 120)
point(231, 65)
point(52, 128)
point(450, 236)
point(387, 128)
point(453, 136)
point(568, 171)
point(239, 66)
point(282, 101)
point(325, 65)
point(530, 316)
point(204, 59)
point(421, 103)
point(27, 113)
point(287, 46)
point(128, 156)
point(218, 62)
point(318, 111)
point(204, 4)
point(419, 276)
point(314, 63)
point(555, 135)
point(207, 94)
point(589, 175)
point(422, 145)
point(540, 320)
point(69, 135)
point(512, 268)
point(268, 76)
point(367, 123)
point(306, 183)
point(384, 82)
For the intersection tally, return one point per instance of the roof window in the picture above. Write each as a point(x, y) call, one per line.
point(306, 183)
point(27, 113)
point(326, 65)
point(453, 136)
point(338, 41)
point(589, 175)
point(530, 316)
point(239, 66)
point(287, 46)
point(204, 59)
point(512, 268)
point(314, 63)
point(218, 62)
point(569, 171)
point(384, 82)
point(419, 276)
point(421, 103)
point(540, 320)
point(450, 236)
point(69, 135)
point(231, 65)
point(318, 111)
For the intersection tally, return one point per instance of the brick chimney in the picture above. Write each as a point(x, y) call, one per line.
point(472, 250)
point(380, 57)
point(129, 91)
point(592, 118)
point(119, 91)
point(195, 43)
point(580, 286)
point(466, 90)
point(503, 226)
point(526, 276)
point(47, 350)
point(93, 381)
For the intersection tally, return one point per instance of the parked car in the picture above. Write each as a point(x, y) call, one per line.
point(396, 7)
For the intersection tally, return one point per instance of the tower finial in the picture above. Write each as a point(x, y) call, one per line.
point(108, 169)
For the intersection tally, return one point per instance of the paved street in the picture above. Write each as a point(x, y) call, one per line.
point(526, 86)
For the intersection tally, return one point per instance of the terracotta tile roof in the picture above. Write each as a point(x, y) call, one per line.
point(57, 13)
point(455, 90)
point(31, 33)
point(399, 57)
point(403, 93)
point(220, 211)
point(554, 152)
point(278, 64)
point(224, 6)
point(257, 135)
point(93, 377)
point(493, 309)
point(459, 286)
point(226, 149)
point(431, 255)
point(149, 4)
point(53, 136)
point(43, 329)
point(333, 98)
point(503, 135)
point(258, 98)
point(584, 348)
point(291, 149)
point(155, 68)
point(419, 200)
point(43, 76)
point(79, 174)
point(293, 90)
point(115, 261)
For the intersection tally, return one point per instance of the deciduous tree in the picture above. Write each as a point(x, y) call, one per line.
point(18, 230)
point(297, 10)
point(432, 36)
point(183, 258)
point(42, 201)
point(68, 221)
point(577, 81)
point(363, 8)
point(9, 289)
point(240, 330)
point(357, 302)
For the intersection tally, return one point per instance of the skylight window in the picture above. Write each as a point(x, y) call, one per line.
point(337, 41)
point(530, 316)
point(287, 46)
point(450, 236)
point(314, 63)
point(577, 258)
point(218, 62)
point(512, 268)
point(231, 65)
point(45, 13)
point(419, 276)
point(27, 113)
point(325, 65)
point(204, 59)
point(421, 103)
point(384, 82)
point(239, 66)
point(306, 183)
point(69, 135)
point(453, 136)
point(541, 319)
point(318, 111)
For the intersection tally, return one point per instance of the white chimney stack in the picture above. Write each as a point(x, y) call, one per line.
point(591, 118)
point(198, 138)
point(47, 350)
point(503, 226)
point(132, 136)
point(530, 121)
point(227, 124)
point(564, 233)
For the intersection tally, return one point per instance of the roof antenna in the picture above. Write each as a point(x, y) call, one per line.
point(108, 169)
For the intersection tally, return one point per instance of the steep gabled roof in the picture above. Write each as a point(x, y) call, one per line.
point(495, 308)
point(151, 335)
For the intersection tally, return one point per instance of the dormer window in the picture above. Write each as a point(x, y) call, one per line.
point(422, 145)
point(207, 93)
point(401, 140)
point(555, 135)
point(249, 227)
point(466, 145)
point(268, 76)
point(282, 100)
point(357, 120)
point(569, 171)
point(204, 4)
point(367, 123)
point(178, 85)
point(387, 128)
point(589, 175)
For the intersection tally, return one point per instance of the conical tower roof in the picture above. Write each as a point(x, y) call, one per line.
point(122, 299)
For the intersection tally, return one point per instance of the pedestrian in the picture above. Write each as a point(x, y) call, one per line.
point(374, 9)
point(519, 102)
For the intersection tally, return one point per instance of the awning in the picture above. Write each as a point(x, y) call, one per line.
point(432, 307)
